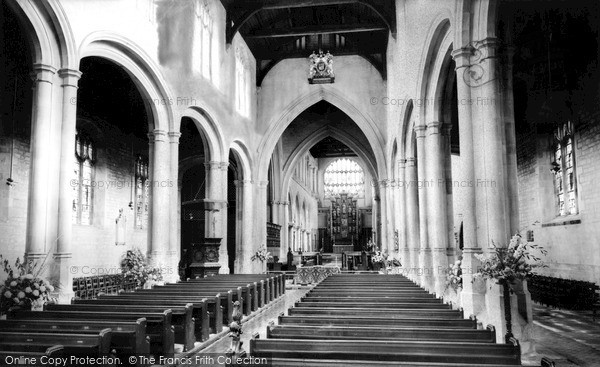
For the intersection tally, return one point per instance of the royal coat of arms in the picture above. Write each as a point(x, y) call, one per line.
point(321, 68)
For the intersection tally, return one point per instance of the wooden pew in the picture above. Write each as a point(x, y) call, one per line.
point(55, 351)
point(249, 291)
point(128, 337)
point(372, 298)
point(158, 324)
point(218, 303)
point(261, 290)
point(382, 312)
point(380, 333)
point(199, 309)
point(461, 354)
point(373, 305)
point(351, 320)
point(181, 319)
point(276, 282)
point(81, 345)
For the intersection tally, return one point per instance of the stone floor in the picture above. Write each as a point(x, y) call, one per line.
point(569, 338)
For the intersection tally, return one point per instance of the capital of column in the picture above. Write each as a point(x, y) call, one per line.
point(487, 48)
point(159, 136)
point(70, 77)
point(174, 137)
point(384, 183)
point(212, 165)
point(401, 163)
point(411, 162)
point(285, 203)
point(42, 73)
point(262, 184)
point(420, 131)
point(462, 57)
point(434, 127)
point(223, 166)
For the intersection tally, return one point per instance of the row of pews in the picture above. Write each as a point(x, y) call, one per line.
point(378, 320)
point(146, 322)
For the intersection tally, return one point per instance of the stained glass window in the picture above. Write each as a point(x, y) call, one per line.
point(83, 175)
point(344, 176)
point(565, 187)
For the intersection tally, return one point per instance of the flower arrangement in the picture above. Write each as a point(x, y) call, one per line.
point(134, 265)
point(454, 276)
point(379, 257)
point(261, 255)
point(511, 263)
point(23, 287)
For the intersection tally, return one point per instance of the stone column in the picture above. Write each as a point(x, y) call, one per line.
point(425, 256)
point(383, 204)
point(260, 223)
point(285, 243)
point(452, 250)
point(412, 217)
point(215, 207)
point(41, 151)
point(400, 214)
point(436, 205)
point(390, 188)
point(174, 250)
point(63, 254)
point(472, 295)
point(159, 244)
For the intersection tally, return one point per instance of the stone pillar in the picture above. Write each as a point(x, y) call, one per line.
point(400, 215)
point(244, 230)
point(489, 149)
point(285, 244)
point(511, 142)
point(215, 207)
point(390, 208)
point(452, 250)
point(159, 245)
point(412, 217)
point(383, 204)
point(375, 215)
point(260, 224)
point(436, 205)
point(41, 151)
point(425, 256)
point(473, 293)
point(174, 249)
point(63, 254)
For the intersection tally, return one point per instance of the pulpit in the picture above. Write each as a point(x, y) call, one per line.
point(205, 260)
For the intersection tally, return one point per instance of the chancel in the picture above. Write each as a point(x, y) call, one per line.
point(300, 183)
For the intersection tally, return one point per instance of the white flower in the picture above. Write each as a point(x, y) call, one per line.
point(29, 276)
point(42, 288)
point(16, 300)
point(13, 283)
point(21, 295)
point(7, 294)
point(36, 293)
point(28, 290)
point(50, 288)
point(37, 286)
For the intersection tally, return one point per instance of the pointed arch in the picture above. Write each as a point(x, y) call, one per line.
point(281, 122)
point(242, 154)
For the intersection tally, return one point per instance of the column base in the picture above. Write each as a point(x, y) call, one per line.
point(426, 271)
point(62, 277)
point(440, 263)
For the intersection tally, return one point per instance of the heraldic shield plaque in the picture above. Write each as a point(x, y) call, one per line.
point(320, 68)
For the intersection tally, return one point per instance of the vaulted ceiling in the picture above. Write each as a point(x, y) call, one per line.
point(279, 29)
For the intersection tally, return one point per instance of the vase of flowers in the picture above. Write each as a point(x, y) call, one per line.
point(23, 287)
point(261, 255)
point(508, 265)
point(454, 276)
point(134, 265)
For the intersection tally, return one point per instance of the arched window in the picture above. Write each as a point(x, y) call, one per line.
point(142, 193)
point(344, 176)
point(204, 39)
point(563, 167)
point(242, 82)
point(83, 174)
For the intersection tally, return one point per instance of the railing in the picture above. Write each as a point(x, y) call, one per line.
point(563, 293)
point(89, 287)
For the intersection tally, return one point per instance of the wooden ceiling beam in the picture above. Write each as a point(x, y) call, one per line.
point(314, 30)
point(240, 12)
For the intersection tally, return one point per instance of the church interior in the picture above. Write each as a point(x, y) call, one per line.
point(300, 183)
